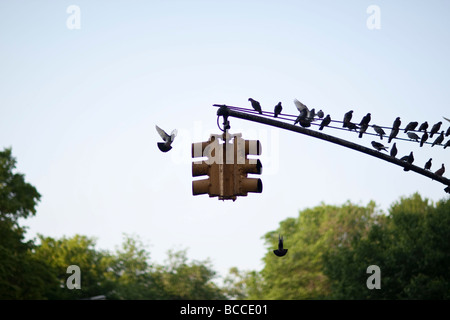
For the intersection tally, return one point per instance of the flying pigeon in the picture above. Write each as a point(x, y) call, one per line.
point(280, 251)
point(168, 139)
point(441, 171)
point(320, 114)
point(423, 126)
point(394, 150)
point(435, 128)
point(378, 146)
point(255, 105)
point(439, 139)
point(413, 136)
point(347, 118)
point(424, 138)
point(326, 121)
point(411, 126)
point(379, 131)
point(278, 109)
point(428, 165)
point(397, 123)
point(393, 134)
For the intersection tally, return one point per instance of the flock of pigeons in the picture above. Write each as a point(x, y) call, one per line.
point(306, 116)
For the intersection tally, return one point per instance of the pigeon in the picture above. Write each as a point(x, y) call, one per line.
point(347, 118)
point(441, 171)
point(363, 129)
point(320, 114)
point(168, 139)
point(447, 144)
point(435, 128)
point(413, 136)
point(423, 126)
point(255, 105)
point(428, 165)
point(394, 150)
point(311, 114)
point(302, 116)
point(447, 133)
point(379, 131)
point(326, 121)
point(378, 146)
point(439, 139)
point(280, 251)
point(393, 134)
point(351, 126)
point(409, 158)
point(397, 123)
point(365, 119)
point(277, 109)
point(300, 106)
point(424, 138)
point(411, 126)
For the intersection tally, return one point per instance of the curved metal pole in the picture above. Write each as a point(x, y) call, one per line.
point(225, 111)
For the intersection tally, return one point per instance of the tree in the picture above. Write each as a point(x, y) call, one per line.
point(300, 274)
point(21, 275)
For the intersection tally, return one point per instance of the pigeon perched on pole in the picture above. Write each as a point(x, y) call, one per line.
point(435, 128)
point(424, 138)
point(394, 150)
point(256, 105)
point(325, 122)
point(439, 139)
point(409, 158)
point(428, 164)
point(378, 146)
point(441, 171)
point(411, 126)
point(277, 109)
point(379, 131)
point(280, 251)
point(168, 139)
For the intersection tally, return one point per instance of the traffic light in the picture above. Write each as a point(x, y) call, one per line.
point(245, 166)
point(227, 166)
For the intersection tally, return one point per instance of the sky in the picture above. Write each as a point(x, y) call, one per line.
point(83, 84)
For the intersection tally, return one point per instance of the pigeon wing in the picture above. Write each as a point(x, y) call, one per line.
point(300, 106)
point(162, 133)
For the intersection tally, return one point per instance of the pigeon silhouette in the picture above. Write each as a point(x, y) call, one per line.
point(409, 158)
point(447, 144)
point(393, 134)
point(439, 139)
point(423, 126)
point(379, 131)
point(428, 164)
point(441, 171)
point(378, 146)
point(365, 119)
point(280, 251)
point(320, 114)
point(435, 128)
point(277, 109)
point(447, 133)
point(255, 105)
point(413, 136)
point(411, 126)
point(424, 138)
point(325, 122)
point(394, 150)
point(397, 123)
point(347, 117)
point(168, 139)
point(362, 129)
point(302, 116)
